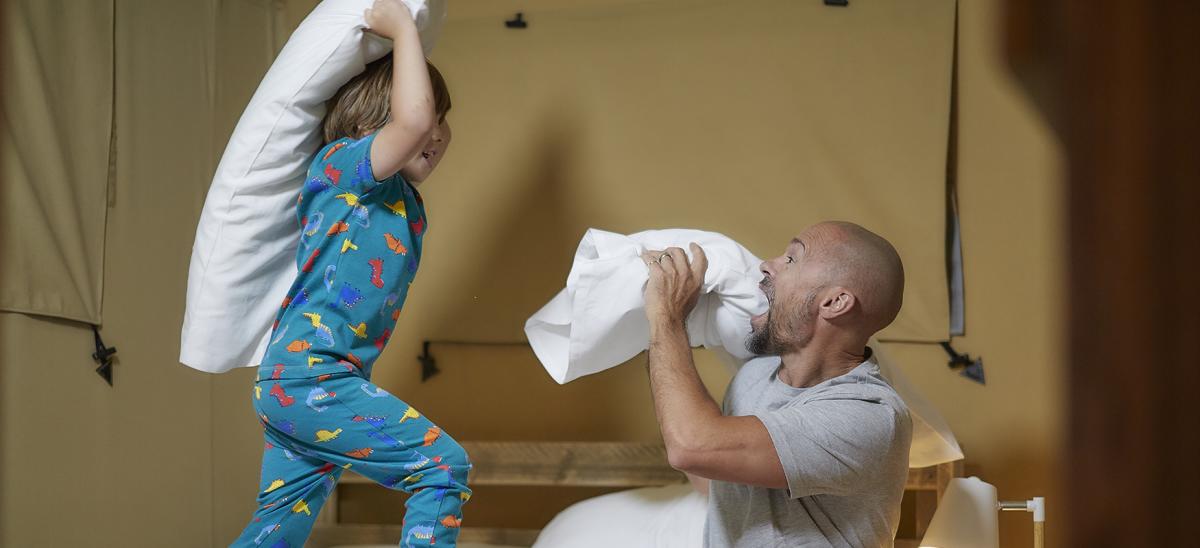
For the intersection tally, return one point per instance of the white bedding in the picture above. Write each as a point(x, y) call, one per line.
point(650, 517)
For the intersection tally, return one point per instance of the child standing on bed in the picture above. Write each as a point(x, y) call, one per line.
point(361, 223)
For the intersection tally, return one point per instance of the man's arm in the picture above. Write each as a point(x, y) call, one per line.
point(699, 439)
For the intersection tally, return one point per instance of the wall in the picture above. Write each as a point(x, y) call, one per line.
point(170, 456)
point(1010, 185)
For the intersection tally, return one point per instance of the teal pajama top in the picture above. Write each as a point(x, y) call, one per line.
point(360, 246)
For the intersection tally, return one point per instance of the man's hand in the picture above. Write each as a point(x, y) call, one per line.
point(385, 16)
point(699, 440)
point(674, 285)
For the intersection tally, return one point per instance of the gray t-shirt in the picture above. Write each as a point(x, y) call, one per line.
point(844, 449)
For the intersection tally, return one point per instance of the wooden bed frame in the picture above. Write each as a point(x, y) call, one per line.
point(576, 464)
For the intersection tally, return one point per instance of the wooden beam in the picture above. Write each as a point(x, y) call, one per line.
point(325, 536)
point(577, 464)
point(607, 464)
point(595, 464)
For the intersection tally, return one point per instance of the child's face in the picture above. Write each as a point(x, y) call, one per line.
point(423, 164)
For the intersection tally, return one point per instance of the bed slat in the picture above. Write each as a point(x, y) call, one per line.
point(351, 534)
point(578, 464)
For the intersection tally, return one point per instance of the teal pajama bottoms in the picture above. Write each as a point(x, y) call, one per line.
point(317, 427)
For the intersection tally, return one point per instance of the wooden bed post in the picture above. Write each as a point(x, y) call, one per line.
point(1118, 81)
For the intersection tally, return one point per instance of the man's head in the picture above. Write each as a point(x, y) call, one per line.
point(835, 278)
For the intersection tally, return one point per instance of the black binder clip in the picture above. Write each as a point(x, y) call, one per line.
point(428, 363)
point(517, 22)
point(971, 369)
point(103, 356)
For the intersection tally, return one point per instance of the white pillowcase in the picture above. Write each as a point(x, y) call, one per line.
point(599, 320)
point(244, 258)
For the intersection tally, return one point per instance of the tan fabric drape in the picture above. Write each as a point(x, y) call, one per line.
point(185, 70)
point(754, 119)
point(57, 101)
point(182, 95)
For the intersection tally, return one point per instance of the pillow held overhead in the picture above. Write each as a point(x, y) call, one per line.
point(243, 259)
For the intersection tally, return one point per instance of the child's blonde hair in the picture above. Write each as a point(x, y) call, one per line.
point(363, 105)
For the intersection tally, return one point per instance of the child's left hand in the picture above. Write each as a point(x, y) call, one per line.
point(384, 17)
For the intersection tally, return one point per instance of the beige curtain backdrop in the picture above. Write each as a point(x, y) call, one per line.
point(139, 472)
point(752, 118)
point(54, 149)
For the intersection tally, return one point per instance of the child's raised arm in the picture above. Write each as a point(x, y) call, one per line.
point(412, 107)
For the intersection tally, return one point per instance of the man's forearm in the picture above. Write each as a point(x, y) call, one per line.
point(683, 405)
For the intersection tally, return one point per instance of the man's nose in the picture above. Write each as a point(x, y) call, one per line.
point(765, 268)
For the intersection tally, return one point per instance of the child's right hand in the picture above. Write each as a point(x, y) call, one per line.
point(384, 17)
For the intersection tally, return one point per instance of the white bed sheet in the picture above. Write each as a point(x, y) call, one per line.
point(650, 517)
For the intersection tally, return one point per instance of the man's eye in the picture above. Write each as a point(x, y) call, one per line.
point(790, 260)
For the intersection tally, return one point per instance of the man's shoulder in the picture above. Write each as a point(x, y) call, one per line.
point(864, 382)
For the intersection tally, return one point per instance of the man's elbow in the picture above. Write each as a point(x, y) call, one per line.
point(682, 455)
point(679, 459)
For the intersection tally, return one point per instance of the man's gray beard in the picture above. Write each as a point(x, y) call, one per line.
point(764, 342)
point(761, 343)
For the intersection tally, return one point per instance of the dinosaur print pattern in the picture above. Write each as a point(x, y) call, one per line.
point(385, 438)
point(377, 393)
point(394, 244)
point(420, 533)
point(281, 396)
point(312, 225)
point(351, 424)
point(348, 297)
point(376, 265)
point(360, 245)
point(264, 532)
point(329, 273)
point(377, 422)
point(361, 242)
point(315, 395)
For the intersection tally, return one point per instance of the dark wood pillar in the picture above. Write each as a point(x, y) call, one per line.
point(1120, 82)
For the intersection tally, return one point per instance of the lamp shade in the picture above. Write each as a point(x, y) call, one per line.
point(965, 517)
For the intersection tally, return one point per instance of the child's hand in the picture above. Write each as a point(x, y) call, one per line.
point(385, 17)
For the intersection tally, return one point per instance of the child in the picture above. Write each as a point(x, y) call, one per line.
point(361, 224)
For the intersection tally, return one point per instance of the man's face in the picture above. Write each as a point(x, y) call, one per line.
point(791, 284)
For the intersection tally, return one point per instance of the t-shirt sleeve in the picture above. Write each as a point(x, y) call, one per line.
point(837, 445)
point(344, 164)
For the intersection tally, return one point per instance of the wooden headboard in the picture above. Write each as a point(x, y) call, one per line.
point(574, 464)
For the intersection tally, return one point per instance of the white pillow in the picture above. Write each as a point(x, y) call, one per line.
point(650, 517)
point(244, 258)
point(599, 320)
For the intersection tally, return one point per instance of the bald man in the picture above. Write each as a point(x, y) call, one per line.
point(811, 447)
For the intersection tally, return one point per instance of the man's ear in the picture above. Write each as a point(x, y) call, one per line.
point(837, 302)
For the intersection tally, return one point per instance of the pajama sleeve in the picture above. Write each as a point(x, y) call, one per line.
point(346, 165)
